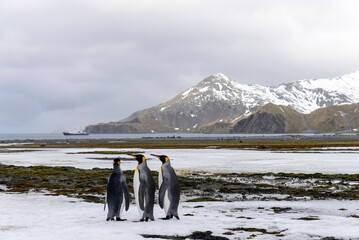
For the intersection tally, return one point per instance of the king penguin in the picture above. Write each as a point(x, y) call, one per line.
point(117, 195)
point(169, 194)
point(144, 189)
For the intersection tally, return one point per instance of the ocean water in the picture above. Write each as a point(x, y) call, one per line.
point(44, 136)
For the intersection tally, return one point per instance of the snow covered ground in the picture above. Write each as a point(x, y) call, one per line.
point(219, 160)
point(35, 216)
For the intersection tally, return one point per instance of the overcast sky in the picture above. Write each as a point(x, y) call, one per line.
point(68, 63)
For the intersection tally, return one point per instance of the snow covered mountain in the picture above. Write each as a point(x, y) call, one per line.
point(304, 96)
point(220, 99)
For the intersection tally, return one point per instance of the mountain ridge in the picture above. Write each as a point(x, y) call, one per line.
point(217, 98)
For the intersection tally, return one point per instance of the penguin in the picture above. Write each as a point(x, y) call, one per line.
point(169, 194)
point(117, 195)
point(144, 189)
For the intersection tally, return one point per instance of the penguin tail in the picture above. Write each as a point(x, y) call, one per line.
point(173, 213)
point(150, 216)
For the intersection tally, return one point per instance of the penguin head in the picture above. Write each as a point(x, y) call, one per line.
point(139, 157)
point(116, 161)
point(163, 158)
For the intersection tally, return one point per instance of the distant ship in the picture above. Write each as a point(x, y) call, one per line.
point(75, 133)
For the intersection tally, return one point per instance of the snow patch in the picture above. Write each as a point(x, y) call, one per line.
point(203, 89)
point(184, 94)
point(26, 216)
point(213, 160)
point(342, 113)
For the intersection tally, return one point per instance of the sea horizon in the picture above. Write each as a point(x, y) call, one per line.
point(54, 136)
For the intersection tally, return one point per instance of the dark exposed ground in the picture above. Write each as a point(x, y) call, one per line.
point(195, 235)
point(90, 185)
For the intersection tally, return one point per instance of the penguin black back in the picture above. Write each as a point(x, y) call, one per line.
point(117, 194)
point(169, 193)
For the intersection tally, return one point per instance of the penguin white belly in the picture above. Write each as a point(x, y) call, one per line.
point(136, 187)
point(123, 204)
point(160, 177)
point(166, 202)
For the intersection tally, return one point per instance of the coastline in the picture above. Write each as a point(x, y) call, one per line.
point(263, 141)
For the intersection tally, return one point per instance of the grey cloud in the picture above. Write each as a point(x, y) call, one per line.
point(70, 63)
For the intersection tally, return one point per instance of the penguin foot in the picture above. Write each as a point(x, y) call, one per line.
point(120, 219)
point(146, 219)
point(170, 217)
point(108, 219)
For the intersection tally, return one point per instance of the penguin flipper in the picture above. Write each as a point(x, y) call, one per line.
point(141, 194)
point(104, 207)
point(127, 195)
point(162, 191)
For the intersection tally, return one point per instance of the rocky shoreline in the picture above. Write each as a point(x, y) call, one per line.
point(263, 142)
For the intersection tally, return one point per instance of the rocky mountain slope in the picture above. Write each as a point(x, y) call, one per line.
point(216, 104)
point(283, 119)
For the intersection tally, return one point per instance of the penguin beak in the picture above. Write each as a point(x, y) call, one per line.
point(155, 156)
point(132, 156)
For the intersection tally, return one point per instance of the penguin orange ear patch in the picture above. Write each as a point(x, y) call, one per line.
point(143, 159)
point(166, 159)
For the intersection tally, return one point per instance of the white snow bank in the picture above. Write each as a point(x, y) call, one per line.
point(35, 216)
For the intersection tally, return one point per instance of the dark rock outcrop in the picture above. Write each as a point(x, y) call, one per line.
point(260, 123)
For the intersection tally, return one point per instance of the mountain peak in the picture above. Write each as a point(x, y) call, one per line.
point(354, 74)
point(215, 78)
point(220, 76)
